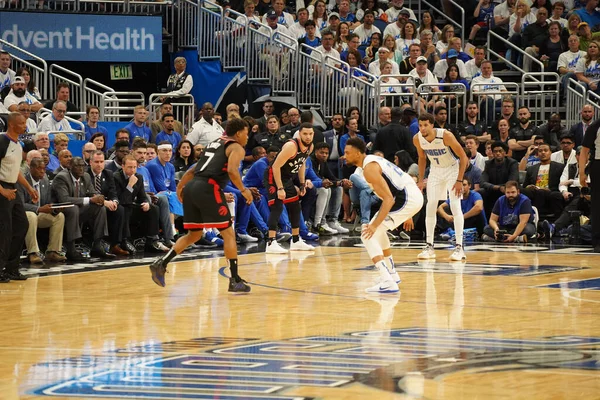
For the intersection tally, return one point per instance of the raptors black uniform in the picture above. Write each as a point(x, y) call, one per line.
point(289, 171)
point(204, 204)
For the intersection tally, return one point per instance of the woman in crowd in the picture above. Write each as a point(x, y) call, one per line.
point(404, 161)
point(588, 68)
point(408, 36)
point(503, 136)
point(453, 76)
point(284, 118)
point(372, 5)
point(428, 23)
point(549, 50)
point(390, 43)
point(98, 140)
point(391, 87)
point(341, 43)
point(447, 34)
point(319, 14)
point(573, 24)
point(184, 158)
point(374, 45)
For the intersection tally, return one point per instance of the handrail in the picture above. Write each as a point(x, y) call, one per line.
point(75, 80)
point(212, 11)
point(490, 51)
point(460, 25)
point(182, 110)
point(574, 88)
point(42, 112)
point(93, 95)
point(42, 71)
point(112, 103)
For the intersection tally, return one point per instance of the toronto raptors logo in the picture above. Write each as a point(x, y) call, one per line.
point(272, 189)
point(222, 211)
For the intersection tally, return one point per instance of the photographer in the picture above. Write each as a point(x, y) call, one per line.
point(512, 217)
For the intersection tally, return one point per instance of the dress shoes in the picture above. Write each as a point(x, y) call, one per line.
point(76, 256)
point(128, 247)
point(118, 251)
point(34, 258)
point(3, 277)
point(53, 256)
point(99, 251)
point(15, 276)
point(156, 247)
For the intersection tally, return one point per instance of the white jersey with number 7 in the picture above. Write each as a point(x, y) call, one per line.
point(440, 155)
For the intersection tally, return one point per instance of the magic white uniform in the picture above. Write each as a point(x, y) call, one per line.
point(407, 196)
point(443, 171)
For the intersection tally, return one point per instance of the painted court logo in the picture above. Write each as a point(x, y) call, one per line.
point(247, 368)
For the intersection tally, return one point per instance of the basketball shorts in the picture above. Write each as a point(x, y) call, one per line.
point(291, 192)
point(205, 206)
point(407, 204)
point(440, 183)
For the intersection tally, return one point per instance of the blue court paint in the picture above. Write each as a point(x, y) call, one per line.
point(586, 284)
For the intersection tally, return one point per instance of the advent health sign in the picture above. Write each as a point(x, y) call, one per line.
point(77, 37)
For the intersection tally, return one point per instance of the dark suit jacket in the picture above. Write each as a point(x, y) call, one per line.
point(126, 197)
point(63, 188)
point(556, 170)
point(45, 194)
point(577, 132)
point(393, 138)
point(108, 189)
point(494, 174)
point(111, 166)
point(58, 170)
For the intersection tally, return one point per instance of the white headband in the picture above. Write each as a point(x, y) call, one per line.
point(165, 146)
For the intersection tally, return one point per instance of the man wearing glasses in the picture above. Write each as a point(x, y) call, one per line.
point(25, 110)
point(566, 154)
point(55, 122)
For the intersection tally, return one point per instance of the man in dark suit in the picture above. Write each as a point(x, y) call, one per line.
point(497, 172)
point(394, 137)
point(578, 130)
point(75, 186)
point(121, 150)
point(332, 138)
point(137, 204)
point(541, 183)
point(104, 184)
point(41, 215)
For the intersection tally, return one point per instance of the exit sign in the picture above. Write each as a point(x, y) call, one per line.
point(121, 71)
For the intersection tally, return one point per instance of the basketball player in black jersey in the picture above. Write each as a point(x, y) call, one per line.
point(289, 164)
point(204, 205)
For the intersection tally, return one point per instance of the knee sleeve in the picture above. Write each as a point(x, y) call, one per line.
point(294, 213)
point(275, 212)
point(382, 237)
point(373, 246)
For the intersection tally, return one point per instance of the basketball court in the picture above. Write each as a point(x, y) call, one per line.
point(514, 322)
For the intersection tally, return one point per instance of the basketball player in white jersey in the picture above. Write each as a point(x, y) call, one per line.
point(448, 163)
point(401, 199)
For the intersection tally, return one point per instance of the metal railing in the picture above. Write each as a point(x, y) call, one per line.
point(210, 23)
point(38, 68)
point(89, 6)
point(493, 96)
point(308, 78)
point(58, 74)
point(72, 135)
point(336, 92)
point(183, 110)
point(510, 46)
point(259, 41)
point(93, 92)
point(576, 99)
point(234, 40)
point(540, 92)
point(394, 94)
point(43, 112)
point(455, 100)
point(188, 28)
point(367, 91)
point(593, 99)
point(459, 25)
point(119, 106)
point(282, 63)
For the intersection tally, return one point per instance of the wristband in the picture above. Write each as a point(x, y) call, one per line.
point(280, 189)
point(459, 181)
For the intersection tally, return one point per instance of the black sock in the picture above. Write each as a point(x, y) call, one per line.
point(295, 238)
point(234, 269)
point(169, 256)
point(270, 240)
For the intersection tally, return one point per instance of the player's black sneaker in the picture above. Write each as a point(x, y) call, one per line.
point(238, 286)
point(158, 269)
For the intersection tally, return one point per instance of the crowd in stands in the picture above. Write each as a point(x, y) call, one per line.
point(520, 172)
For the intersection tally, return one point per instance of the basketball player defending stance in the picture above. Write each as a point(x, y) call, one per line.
point(279, 181)
point(448, 163)
point(204, 204)
point(401, 199)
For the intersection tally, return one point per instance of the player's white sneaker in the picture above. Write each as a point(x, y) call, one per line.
point(458, 254)
point(301, 245)
point(428, 253)
point(275, 248)
point(336, 225)
point(387, 286)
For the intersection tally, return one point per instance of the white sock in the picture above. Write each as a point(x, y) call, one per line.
point(391, 261)
point(459, 220)
point(384, 272)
